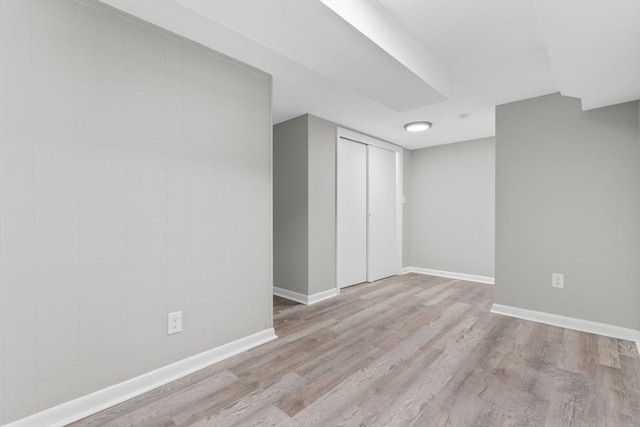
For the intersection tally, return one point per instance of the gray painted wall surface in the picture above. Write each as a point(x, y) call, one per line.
point(406, 188)
point(322, 205)
point(451, 207)
point(568, 201)
point(291, 205)
point(304, 205)
point(134, 181)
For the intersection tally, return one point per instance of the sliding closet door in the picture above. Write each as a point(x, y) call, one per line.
point(383, 234)
point(351, 213)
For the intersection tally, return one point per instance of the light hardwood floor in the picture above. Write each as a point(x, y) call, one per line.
point(408, 350)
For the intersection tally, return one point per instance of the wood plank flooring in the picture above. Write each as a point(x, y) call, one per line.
point(411, 350)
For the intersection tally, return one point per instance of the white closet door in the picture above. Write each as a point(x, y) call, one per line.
point(352, 213)
point(383, 236)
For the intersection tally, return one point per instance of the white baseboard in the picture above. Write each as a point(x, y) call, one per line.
point(450, 275)
point(290, 295)
point(570, 323)
point(305, 299)
point(321, 296)
point(84, 406)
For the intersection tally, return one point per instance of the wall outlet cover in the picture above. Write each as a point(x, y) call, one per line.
point(557, 280)
point(175, 322)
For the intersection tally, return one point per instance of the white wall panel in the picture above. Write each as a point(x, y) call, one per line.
point(206, 200)
point(146, 200)
point(55, 200)
point(19, 373)
point(134, 181)
point(261, 113)
point(249, 206)
point(260, 238)
point(176, 179)
point(102, 199)
point(1, 135)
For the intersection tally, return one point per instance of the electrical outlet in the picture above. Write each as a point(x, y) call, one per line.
point(175, 322)
point(557, 280)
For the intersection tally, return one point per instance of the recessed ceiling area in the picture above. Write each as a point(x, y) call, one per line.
point(375, 65)
point(310, 34)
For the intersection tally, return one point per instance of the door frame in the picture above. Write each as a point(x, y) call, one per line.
point(369, 140)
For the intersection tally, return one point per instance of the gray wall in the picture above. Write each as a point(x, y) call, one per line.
point(568, 201)
point(304, 205)
point(291, 205)
point(406, 189)
point(322, 205)
point(450, 207)
point(134, 181)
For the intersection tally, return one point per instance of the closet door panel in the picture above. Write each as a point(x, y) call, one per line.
point(352, 213)
point(382, 220)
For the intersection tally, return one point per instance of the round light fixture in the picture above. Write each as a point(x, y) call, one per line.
point(417, 126)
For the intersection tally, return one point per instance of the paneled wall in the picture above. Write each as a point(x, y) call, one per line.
point(134, 181)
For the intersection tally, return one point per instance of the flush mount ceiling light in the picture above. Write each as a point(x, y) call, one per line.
point(417, 126)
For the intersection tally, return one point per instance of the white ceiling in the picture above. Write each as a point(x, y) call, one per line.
point(375, 65)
